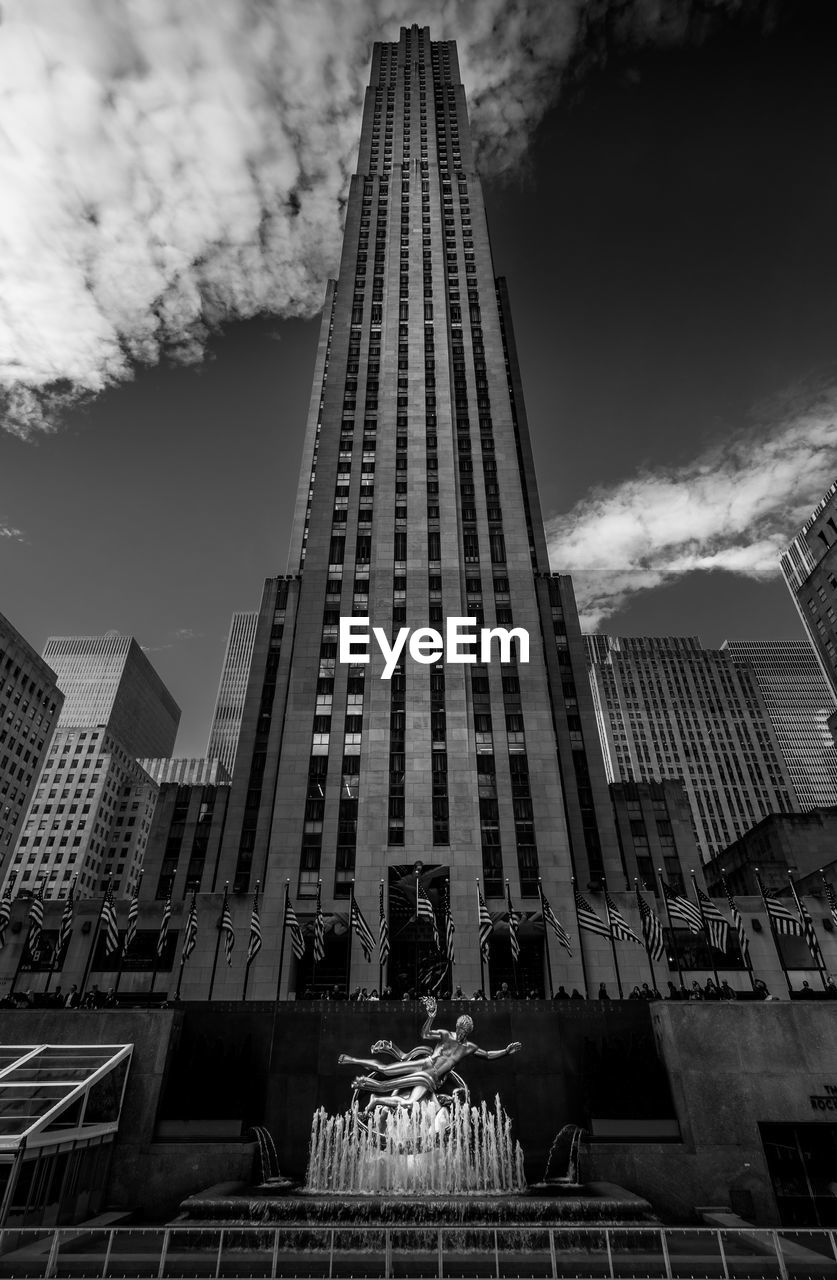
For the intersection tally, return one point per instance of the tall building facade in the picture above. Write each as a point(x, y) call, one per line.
point(417, 503)
point(799, 702)
point(668, 708)
point(809, 567)
point(109, 680)
point(232, 690)
point(90, 816)
point(30, 703)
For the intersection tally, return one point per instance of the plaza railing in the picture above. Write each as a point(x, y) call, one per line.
point(363, 1252)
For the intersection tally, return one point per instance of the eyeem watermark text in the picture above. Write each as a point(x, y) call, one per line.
point(462, 642)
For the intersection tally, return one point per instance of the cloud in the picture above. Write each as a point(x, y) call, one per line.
point(168, 165)
point(9, 531)
point(735, 507)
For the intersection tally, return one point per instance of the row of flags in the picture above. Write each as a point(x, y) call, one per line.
point(701, 917)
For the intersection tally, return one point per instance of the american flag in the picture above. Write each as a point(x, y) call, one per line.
point(514, 941)
point(831, 899)
point(424, 911)
point(450, 931)
point(383, 929)
point(550, 918)
point(36, 920)
point(361, 928)
point(619, 926)
point(254, 944)
point(227, 929)
point(587, 918)
point(652, 930)
point(738, 922)
point(319, 926)
point(484, 925)
point(164, 928)
point(133, 918)
point(5, 912)
point(110, 922)
point(190, 934)
point(807, 928)
point(782, 919)
point(717, 925)
point(680, 908)
point(291, 922)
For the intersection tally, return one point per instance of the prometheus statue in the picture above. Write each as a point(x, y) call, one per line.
point(418, 1076)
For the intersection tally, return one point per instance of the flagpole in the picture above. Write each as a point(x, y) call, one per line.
point(351, 932)
point(249, 960)
point(512, 925)
point(706, 933)
point(808, 928)
point(546, 942)
point(416, 947)
point(745, 951)
point(59, 945)
point(448, 946)
point(22, 955)
point(612, 942)
point(380, 962)
point(92, 950)
point(314, 941)
point(580, 932)
point(482, 957)
point(218, 941)
point(645, 938)
point(282, 944)
point(674, 946)
point(773, 931)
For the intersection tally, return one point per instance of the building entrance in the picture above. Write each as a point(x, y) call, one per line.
point(802, 1162)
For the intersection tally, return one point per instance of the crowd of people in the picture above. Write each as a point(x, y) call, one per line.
point(710, 990)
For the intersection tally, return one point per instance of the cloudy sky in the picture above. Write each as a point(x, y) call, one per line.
point(662, 197)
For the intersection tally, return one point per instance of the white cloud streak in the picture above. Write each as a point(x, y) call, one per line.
point(167, 165)
point(735, 508)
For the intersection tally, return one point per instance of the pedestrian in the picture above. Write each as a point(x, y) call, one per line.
point(603, 992)
point(561, 993)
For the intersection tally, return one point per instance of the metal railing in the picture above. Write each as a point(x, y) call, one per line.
point(364, 1252)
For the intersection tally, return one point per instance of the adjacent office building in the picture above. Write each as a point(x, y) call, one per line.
point(232, 690)
point(668, 708)
point(30, 703)
point(810, 570)
point(417, 502)
point(89, 818)
point(799, 702)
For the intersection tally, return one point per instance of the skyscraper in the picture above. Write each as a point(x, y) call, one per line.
point(232, 689)
point(668, 708)
point(810, 569)
point(30, 703)
point(91, 812)
point(799, 702)
point(417, 503)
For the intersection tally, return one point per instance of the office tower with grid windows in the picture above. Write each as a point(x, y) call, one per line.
point(799, 702)
point(232, 690)
point(30, 703)
point(89, 818)
point(809, 567)
point(417, 502)
point(668, 708)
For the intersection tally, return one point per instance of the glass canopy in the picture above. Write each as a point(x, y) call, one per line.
point(52, 1092)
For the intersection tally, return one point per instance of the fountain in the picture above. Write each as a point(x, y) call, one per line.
point(412, 1152)
point(426, 1149)
point(272, 1179)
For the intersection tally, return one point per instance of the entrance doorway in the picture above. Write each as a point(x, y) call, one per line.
point(802, 1163)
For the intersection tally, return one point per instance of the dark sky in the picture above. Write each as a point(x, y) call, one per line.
point(671, 256)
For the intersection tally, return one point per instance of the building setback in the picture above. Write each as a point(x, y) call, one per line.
point(799, 702)
point(89, 818)
point(232, 690)
point(809, 567)
point(668, 708)
point(417, 501)
point(30, 703)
